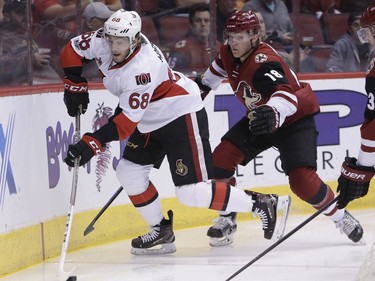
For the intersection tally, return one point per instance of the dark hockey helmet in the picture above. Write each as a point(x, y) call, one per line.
point(242, 20)
point(367, 21)
point(368, 17)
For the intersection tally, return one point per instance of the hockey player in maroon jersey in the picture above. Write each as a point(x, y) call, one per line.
point(356, 174)
point(162, 114)
point(280, 114)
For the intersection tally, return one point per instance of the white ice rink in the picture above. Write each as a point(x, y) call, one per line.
point(316, 252)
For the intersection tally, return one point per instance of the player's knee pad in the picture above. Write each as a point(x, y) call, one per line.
point(225, 158)
point(195, 195)
point(133, 178)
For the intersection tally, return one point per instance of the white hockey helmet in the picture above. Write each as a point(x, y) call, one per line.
point(124, 24)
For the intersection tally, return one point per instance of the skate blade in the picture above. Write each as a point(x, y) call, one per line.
point(283, 205)
point(161, 249)
point(219, 242)
point(362, 242)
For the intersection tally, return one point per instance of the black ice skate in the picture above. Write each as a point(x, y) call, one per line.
point(351, 227)
point(266, 207)
point(158, 241)
point(221, 233)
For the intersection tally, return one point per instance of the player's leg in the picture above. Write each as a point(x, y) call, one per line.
point(298, 151)
point(238, 147)
point(140, 156)
point(190, 161)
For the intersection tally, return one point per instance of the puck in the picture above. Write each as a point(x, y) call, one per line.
point(72, 278)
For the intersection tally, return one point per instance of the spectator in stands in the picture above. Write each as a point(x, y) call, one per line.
point(57, 19)
point(113, 5)
point(357, 6)
point(320, 7)
point(223, 10)
point(14, 52)
point(193, 54)
point(1, 10)
point(52, 9)
point(262, 29)
point(276, 18)
point(276, 43)
point(94, 16)
point(170, 4)
point(55, 24)
point(348, 54)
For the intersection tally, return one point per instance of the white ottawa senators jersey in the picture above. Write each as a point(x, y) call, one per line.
point(150, 93)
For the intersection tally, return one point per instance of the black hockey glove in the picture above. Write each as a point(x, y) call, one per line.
point(75, 94)
point(203, 88)
point(86, 148)
point(353, 182)
point(263, 120)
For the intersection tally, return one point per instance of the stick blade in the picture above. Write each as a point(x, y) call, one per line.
point(90, 228)
point(66, 275)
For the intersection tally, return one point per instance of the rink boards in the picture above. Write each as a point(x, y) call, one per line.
point(35, 184)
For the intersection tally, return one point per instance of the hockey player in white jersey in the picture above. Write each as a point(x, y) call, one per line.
point(162, 114)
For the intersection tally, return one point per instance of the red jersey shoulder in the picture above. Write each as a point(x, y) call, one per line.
point(265, 53)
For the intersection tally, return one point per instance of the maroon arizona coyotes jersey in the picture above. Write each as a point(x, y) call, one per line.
point(370, 90)
point(367, 150)
point(262, 76)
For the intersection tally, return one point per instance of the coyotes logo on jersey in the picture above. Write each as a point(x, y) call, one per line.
point(259, 58)
point(250, 97)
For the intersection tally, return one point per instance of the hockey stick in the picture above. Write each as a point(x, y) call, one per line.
point(278, 242)
point(68, 227)
point(90, 227)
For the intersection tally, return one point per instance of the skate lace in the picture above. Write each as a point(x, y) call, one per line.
point(222, 223)
point(346, 225)
point(150, 236)
point(263, 217)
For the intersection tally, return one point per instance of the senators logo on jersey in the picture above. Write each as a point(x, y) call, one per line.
point(181, 168)
point(143, 79)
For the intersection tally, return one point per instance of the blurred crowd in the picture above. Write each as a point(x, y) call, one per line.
point(34, 31)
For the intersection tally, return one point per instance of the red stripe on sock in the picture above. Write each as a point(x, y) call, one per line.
point(146, 197)
point(220, 196)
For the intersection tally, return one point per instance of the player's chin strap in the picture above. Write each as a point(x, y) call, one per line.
point(286, 236)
